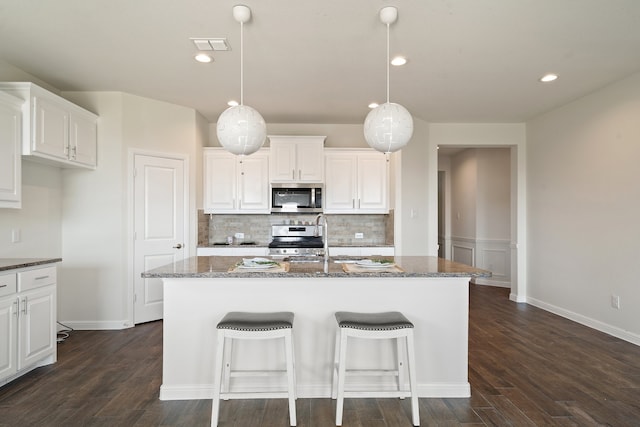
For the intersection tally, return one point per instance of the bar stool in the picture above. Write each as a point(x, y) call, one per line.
point(375, 326)
point(243, 325)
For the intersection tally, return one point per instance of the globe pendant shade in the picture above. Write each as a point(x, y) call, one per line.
point(241, 130)
point(388, 127)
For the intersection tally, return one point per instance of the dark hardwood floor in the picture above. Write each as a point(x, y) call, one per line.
point(527, 367)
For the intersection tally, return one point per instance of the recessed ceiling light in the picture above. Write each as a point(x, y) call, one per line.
point(548, 78)
point(399, 60)
point(373, 105)
point(232, 103)
point(203, 57)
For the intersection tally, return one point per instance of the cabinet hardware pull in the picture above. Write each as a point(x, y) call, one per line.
point(293, 174)
point(353, 203)
point(41, 277)
point(178, 246)
point(17, 304)
point(3, 286)
point(299, 173)
point(24, 306)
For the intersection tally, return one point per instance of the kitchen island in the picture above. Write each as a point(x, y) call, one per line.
point(431, 292)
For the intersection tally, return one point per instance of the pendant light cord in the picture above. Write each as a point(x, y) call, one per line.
point(387, 63)
point(241, 63)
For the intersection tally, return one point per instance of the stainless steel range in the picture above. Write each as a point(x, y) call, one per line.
point(296, 240)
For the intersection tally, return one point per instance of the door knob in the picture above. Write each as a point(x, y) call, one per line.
point(178, 246)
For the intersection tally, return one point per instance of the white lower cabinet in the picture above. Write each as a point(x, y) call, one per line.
point(8, 337)
point(27, 321)
point(368, 251)
point(233, 251)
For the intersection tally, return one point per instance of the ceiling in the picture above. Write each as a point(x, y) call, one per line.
point(325, 61)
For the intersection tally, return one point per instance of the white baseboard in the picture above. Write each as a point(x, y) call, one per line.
point(490, 282)
point(444, 390)
point(205, 391)
point(517, 298)
point(587, 321)
point(96, 325)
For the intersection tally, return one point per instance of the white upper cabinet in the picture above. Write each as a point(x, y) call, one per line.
point(83, 131)
point(10, 158)
point(357, 181)
point(55, 130)
point(296, 158)
point(236, 184)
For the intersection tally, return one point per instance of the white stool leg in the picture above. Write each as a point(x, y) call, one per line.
point(342, 362)
point(293, 358)
point(336, 360)
point(400, 354)
point(415, 414)
point(228, 352)
point(217, 376)
point(290, 378)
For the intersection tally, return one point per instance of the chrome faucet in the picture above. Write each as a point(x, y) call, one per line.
point(325, 234)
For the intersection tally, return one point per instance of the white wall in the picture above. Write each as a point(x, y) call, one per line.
point(38, 222)
point(464, 193)
point(419, 226)
point(584, 209)
point(494, 194)
point(95, 276)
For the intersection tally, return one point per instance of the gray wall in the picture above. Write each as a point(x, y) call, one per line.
point(584, 205)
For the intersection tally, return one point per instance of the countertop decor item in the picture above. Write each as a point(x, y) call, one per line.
point(241, 129)
point(388, 127)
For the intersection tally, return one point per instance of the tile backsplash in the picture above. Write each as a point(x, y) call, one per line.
point(376, 229)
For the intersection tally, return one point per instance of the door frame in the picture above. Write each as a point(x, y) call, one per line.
point(488, 135)
point(130, 293)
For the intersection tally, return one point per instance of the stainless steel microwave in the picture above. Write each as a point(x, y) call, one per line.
point(301, 198)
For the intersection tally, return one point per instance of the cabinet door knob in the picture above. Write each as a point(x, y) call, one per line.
point(178, 246)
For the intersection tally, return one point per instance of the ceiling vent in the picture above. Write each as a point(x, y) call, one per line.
point(210, 44)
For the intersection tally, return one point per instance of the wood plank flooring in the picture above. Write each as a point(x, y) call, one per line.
point(527, 367)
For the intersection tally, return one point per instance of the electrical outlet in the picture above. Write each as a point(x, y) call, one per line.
point(615, 301)
point(359, 235)
point(15, 235)
point(239, 235)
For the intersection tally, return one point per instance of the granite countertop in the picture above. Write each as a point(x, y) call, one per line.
point(15, 263)
point(218, 267)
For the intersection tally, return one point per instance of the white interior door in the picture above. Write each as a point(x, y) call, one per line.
point(159, 227)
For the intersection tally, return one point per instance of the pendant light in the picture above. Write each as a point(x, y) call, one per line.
point(389, 126)
point(241, 129)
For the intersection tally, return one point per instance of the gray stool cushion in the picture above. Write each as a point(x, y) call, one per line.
point(246, 321)
point(373, 321)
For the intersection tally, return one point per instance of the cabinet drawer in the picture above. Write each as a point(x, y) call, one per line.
point(37, 278)
point(7, 284)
